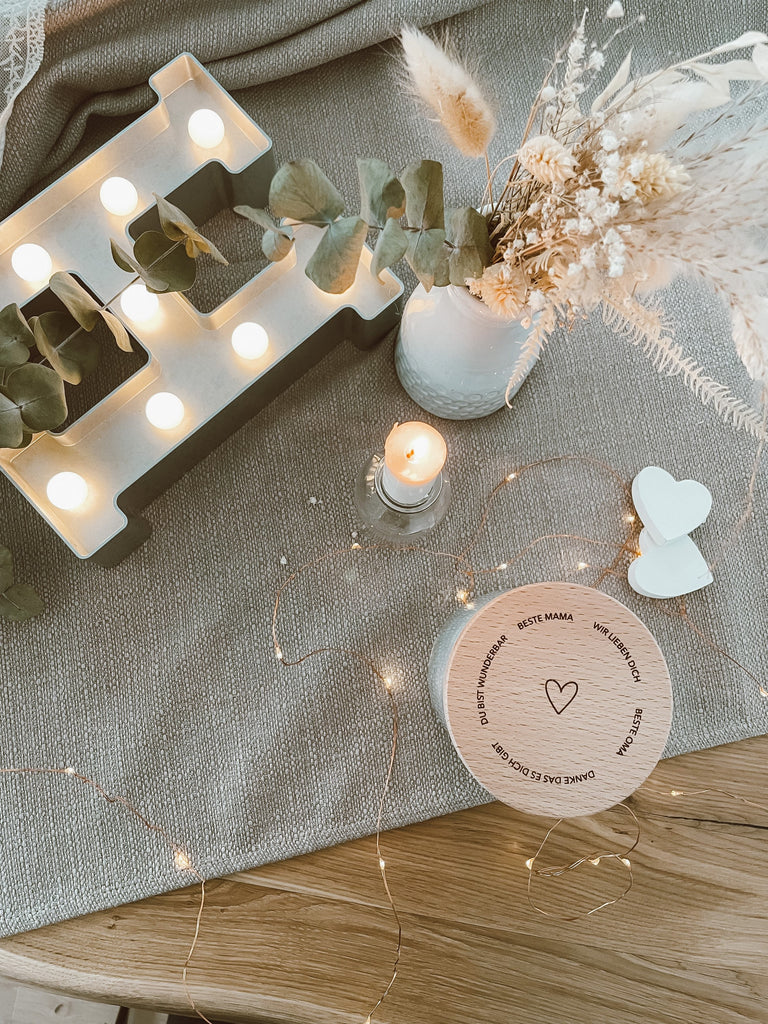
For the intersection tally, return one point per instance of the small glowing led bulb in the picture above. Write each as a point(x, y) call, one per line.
point(206, 128)
point(32, 262)
point(118, 196)
point(250, 340)
point(67, 491)
point(138, 303)
point(164, 410)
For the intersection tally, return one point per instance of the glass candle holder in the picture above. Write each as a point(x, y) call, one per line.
point(389, 518)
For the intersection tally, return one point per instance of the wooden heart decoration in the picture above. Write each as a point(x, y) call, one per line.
point(668, 570)
point(560, 696)
point(669, 508)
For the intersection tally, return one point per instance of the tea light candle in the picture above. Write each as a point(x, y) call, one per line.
point(414, 455)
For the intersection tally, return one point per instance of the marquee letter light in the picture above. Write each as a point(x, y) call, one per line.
point(198, 148)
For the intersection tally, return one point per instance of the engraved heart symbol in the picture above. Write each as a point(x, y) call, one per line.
point(560, 696)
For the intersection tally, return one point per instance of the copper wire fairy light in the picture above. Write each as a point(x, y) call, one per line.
point(596, 858)
point(181, 858)
point(623, 550)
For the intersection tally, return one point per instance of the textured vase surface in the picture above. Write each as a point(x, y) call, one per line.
point(453, 355)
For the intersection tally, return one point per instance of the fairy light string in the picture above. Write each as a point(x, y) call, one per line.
point(181, 858)
point(596, 858)
point(622, 551)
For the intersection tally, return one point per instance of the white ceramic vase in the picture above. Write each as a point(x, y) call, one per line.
point(454, 356)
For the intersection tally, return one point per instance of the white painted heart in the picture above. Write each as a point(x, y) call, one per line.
point(668, 570)
point(669, 508)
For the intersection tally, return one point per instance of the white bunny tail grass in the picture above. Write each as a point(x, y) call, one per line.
point(448, 89)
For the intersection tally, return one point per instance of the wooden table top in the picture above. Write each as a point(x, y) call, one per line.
point(312, 939)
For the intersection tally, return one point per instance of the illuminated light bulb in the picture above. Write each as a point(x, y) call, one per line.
point(250, 340)
point(382, 863)
point(206, 128)
point(118, 196)
point(356, 546)
point(278, 653)
point(32, 262)
point(502, 565)
point(70, 771)
point(462, 596)
point(529, 863)
point(138, 303)
point(625, 862)
point(594, 860)
point(164, 410)
point(629, 518)
point(67, 491)
point(676, 792)
point(511, 477)
point(582, 565)
point(388, 684)
point(182, 861)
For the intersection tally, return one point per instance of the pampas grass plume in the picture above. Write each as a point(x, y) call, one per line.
point(448, 89)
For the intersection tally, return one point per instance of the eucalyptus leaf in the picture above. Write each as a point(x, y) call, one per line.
point(391, 246)
point(127, 263)
point(83, 307)
point(334, 262)
point(16, 338)
point(423, 184)
point(301, 191)
point(72, 353)
point(117, 327)
point(276, 244)
point(11, 426)
point(38, 392)
point(6, 569)
point(472, 251)
point(277, 240)
point(381, 194)
point(261, 217)
point(428, 257)
point(20, 602)
point(171, 266)
point(176, 225)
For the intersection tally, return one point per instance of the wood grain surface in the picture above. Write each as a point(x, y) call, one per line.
point(311, 940)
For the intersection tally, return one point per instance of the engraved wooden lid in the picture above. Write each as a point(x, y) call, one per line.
point(558, 699)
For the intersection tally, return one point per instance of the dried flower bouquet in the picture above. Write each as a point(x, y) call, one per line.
point(613, 190)
point(612, 193)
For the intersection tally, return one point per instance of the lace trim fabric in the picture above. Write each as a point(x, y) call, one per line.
point(22, 40)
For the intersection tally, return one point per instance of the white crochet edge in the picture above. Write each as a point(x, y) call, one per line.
point(22, 43)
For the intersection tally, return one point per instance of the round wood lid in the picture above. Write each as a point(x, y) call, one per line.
point(558, 699)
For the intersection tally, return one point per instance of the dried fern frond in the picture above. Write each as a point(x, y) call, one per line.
point(645, 328)
point(542, 327)
point(751, 343)
point(450, 91)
